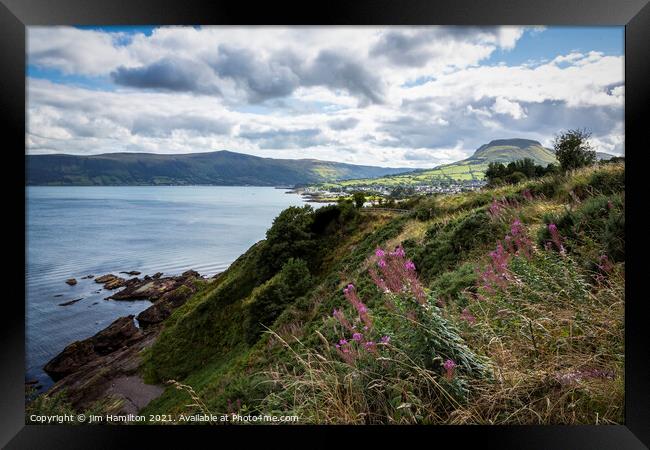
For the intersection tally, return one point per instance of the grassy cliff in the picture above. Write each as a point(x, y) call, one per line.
point(496, 306)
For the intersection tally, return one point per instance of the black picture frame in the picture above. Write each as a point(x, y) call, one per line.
point(15, 15)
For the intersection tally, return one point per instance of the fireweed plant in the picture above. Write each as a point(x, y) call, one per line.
point(402, 362)
point(556, 317)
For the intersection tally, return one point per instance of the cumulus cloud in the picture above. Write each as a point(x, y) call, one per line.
point(282, 139)
point(174, 74)
point(343, 124)
point(396, 96)
point(505, 106)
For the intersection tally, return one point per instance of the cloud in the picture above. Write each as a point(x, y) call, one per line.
point(261, 78)
point(505, 106)
point(417, 46)
point(391, 96)
point(283, 139)
point(343, 124)
point(172, 74)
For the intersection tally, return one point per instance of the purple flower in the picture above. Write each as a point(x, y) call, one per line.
point(370, 345)
point(380, 253)
point(449, 366)
point(409, 265)
point(555, 236)
point(385, 339)
point(343, 342)
point(399, 251)
point(381, 263)
point(357, 337)
point(466, 315)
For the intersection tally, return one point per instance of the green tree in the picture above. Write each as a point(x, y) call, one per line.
point(290, 236)
point(359, 199)
point(573, 150)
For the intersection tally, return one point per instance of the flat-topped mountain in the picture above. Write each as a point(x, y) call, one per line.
point(472, 168)
point(507, 150)
point(222, 168)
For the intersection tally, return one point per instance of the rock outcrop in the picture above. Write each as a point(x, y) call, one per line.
point(117, 335)
point(71, 281)
point(154, 288)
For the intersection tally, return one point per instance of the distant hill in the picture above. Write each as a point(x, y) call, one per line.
point(507, 150)
point(472, 168)
point(223, 168)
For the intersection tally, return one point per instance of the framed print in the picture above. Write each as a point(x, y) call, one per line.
point(363, 218)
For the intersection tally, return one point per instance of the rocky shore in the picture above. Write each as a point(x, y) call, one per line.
point(105, 366)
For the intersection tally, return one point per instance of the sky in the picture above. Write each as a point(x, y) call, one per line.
point(391, 96)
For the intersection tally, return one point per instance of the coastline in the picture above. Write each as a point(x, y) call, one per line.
point(105, 366)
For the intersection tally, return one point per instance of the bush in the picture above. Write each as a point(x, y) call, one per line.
point(599, 220)
point(449, 285)
point(270, 299)
point(290, 236)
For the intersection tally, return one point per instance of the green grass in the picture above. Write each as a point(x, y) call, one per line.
point(561, 317)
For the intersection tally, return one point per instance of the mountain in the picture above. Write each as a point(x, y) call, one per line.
point(223, 168)
point(472, 168)
point(507, 150)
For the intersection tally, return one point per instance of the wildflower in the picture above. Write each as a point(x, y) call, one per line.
point(527, 194)
point(399, 252)
point(385, 339)
point(556, 238)
point(380, 253)
point(357, 337)
point(449, 366)
point(466, 315)
point(343, 342)
point(605, 264)
point(409, 265)
point(381, 263)
point(370, 346)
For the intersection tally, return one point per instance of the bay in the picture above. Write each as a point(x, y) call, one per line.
point(75, 231)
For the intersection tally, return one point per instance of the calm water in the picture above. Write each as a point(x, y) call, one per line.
point(77, 231)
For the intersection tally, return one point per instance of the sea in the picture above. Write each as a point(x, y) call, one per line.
point(72, 232)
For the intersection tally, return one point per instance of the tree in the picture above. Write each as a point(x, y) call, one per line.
point(290, 236)
point(359, 199)
point(573, 150)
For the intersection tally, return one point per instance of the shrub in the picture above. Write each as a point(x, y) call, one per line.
point(599, 221)
point(270, 299)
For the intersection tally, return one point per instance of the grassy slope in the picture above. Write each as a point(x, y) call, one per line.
point(528, 338)
point(472, 168)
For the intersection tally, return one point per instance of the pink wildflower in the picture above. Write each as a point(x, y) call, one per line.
point(357, 337)
point(556, 238)
point(466, 315)
point(449, 366)
point(379, 253)
point(409, 265)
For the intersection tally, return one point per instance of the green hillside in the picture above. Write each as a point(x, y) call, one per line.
point(214, 168)
point(500, 306)
point(554, 315)
point(472, 168)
